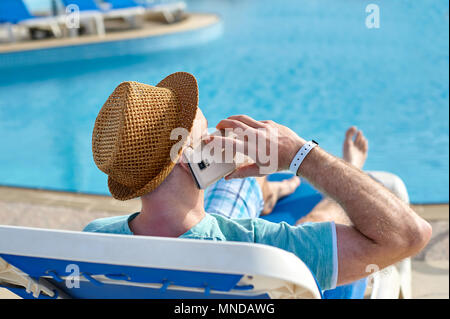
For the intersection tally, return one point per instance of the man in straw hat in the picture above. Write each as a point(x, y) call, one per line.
point(360, 223)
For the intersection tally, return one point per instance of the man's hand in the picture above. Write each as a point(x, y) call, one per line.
point(267, 143)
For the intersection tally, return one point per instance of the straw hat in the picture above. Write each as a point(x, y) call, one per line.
point(131, 139)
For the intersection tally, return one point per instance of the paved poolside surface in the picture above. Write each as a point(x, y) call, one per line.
point(72, 211)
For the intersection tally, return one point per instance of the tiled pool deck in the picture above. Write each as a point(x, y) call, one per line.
point(71, 211)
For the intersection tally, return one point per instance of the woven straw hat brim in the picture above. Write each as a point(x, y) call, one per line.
point(184, 86)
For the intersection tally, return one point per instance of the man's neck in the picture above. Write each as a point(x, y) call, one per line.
point(171, 210)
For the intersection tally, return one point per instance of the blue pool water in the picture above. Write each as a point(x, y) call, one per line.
point(310, 65)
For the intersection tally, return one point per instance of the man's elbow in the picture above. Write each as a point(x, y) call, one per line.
point(418, 237)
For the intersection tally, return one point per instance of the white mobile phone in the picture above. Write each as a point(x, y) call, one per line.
point(204, 169)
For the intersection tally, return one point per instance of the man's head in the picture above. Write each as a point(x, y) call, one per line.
point(180, 180)
point(132, 139)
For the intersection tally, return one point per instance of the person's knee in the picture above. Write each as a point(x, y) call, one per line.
point(392, 182)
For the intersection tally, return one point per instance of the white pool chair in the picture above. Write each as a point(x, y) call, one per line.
point(41, 263)
point(129, 10)
point(170, 10)
point(14, 13)
point(89, 9)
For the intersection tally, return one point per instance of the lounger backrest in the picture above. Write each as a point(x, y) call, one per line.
point(121, 266)
point(83, 5)
point(13, 11)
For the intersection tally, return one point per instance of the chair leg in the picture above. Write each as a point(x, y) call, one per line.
point(100, 26)
point(73, 32)
point(56, 30)
point(404, 270)
point(10, 30)
point(90, 26)
point(168, 16)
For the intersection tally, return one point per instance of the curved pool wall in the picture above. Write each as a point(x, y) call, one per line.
point(108, 49)
point(313, 66)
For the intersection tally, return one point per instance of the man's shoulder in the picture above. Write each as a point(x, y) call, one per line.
point(113, 225)
point(235, 229)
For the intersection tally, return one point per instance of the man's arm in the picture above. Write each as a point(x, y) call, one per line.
point(385, 230)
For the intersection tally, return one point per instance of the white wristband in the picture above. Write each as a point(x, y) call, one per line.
point(300, 156)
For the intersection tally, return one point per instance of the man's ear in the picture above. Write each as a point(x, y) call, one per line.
point(184, 165)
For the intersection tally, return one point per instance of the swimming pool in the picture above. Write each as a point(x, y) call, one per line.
point(313, 66)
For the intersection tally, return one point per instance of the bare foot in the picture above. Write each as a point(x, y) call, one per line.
point(355, 147)
point(273, 191)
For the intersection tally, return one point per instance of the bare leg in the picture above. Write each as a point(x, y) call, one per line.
point(325, 211)
point(355, 149)
point(273, 191)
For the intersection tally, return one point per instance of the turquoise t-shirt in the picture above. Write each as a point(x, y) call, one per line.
point(313, 243)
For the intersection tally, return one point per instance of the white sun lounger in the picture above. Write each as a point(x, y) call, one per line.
point(89, 10)
point(15, 13)
point(41, 263)
point(170, 10)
